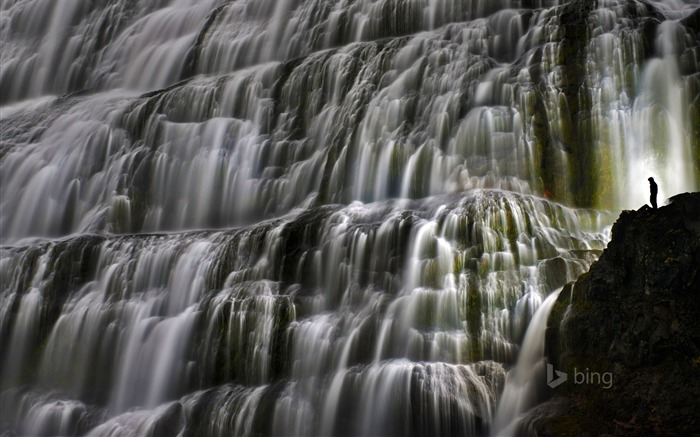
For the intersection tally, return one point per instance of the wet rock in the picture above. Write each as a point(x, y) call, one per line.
point(553, 273)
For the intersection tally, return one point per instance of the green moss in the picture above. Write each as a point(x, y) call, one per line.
point(473, 313)
point(512, 233)
point(572, 61)
point(421, 177)
point(397, 163)
point(462, 233)
point(483, 265)
point(458, 263)
point(552, 168)
point(425, 317)
point(431, 276)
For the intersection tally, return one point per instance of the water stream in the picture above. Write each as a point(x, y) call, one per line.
point(313, 217)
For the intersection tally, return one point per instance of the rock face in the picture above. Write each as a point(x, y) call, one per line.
point(627, 333)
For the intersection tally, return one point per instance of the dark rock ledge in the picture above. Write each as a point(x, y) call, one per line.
point(627, 333)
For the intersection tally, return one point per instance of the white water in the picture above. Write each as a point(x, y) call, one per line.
point(309, 217)
point(526, 380)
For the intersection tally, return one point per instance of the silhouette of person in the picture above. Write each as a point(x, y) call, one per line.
point(654, 189)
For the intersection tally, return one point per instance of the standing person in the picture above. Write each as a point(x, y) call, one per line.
point(654, 189)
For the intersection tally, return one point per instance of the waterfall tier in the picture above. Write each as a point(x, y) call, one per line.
point(313, 217)
point(300, 318)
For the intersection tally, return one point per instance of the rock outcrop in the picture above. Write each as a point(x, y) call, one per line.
point(627, 333)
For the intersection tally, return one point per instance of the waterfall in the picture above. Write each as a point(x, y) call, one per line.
point(313, 217)
point(525, 380)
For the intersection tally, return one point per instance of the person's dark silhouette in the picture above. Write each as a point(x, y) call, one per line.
point(654, 189)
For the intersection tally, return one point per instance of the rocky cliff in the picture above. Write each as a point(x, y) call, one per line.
point(627, 333)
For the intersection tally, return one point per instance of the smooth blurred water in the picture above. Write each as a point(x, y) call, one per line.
point(314, 217)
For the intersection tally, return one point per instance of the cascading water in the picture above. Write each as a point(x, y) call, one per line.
point(314, 217)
